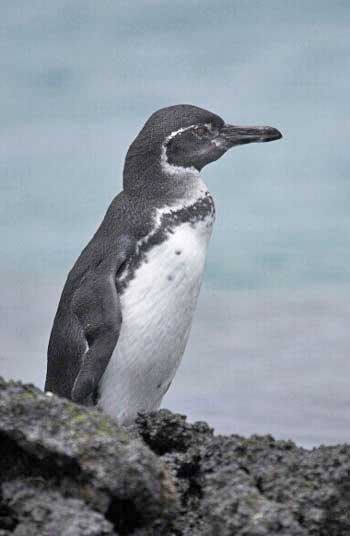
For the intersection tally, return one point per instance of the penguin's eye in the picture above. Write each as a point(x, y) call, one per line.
point(201, 131)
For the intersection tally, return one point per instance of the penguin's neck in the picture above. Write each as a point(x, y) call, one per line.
point(195, 191)
point(150, 176)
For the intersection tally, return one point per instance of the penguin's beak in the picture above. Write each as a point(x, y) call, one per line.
point(235, 135)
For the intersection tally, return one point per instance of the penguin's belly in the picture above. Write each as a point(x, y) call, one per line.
point(157, 311)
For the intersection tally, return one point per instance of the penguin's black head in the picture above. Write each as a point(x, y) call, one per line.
point(180, 140)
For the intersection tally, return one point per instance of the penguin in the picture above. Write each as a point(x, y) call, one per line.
point(126, 309)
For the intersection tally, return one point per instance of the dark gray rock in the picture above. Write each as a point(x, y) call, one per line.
point(43, 511)
point(166, 432)
point(252, 487)
point(82, 454)
point(69, 470)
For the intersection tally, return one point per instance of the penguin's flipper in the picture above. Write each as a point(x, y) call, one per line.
point(96, 304)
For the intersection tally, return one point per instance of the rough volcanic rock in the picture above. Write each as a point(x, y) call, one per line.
point(71, 471)
point(39, 510)
point(76, 453)
point(230, 485)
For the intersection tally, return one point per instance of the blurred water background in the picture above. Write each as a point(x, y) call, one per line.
point(269, 350)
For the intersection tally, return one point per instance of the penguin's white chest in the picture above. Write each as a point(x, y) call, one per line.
point(157, 311)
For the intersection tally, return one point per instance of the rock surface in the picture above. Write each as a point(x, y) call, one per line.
point(66, 470)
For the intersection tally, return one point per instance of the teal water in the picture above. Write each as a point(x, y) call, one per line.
point(78, 79)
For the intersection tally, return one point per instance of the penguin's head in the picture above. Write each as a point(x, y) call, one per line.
point(180, 140)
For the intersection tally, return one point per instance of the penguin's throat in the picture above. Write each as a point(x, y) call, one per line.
point(194, 190)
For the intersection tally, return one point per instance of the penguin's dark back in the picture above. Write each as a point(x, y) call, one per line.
point(127, 219)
